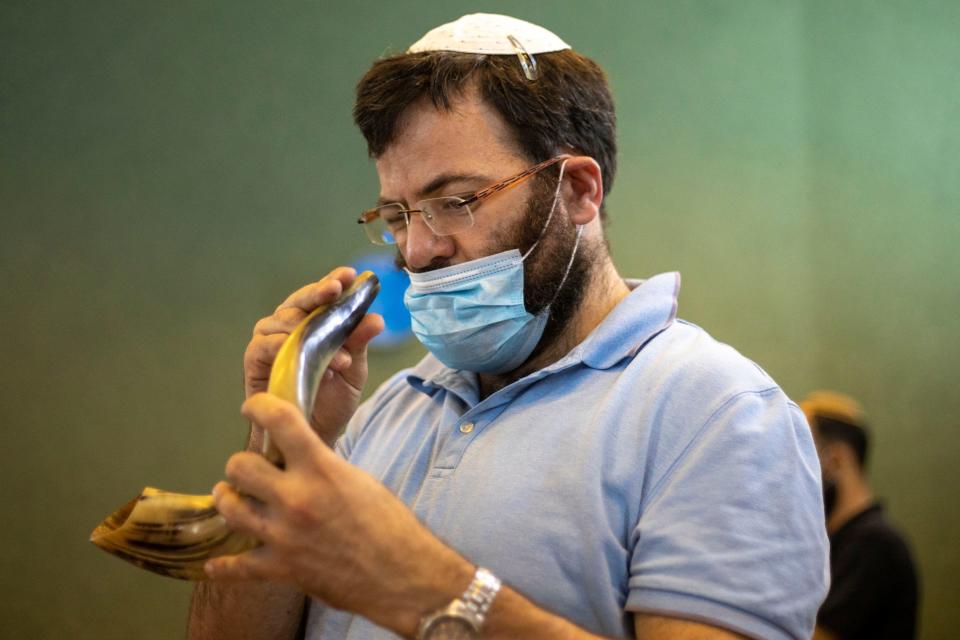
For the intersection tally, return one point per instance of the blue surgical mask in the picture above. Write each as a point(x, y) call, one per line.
point(471, 316)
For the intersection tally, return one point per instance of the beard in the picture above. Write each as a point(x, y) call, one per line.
point(544, 268)
point(543, 275)
point(829, 496)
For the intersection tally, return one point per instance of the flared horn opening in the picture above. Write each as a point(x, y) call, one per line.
point(171, 534)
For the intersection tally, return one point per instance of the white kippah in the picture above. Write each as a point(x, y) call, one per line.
point(489, 33)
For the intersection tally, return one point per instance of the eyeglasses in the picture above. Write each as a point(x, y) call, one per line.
point(387, 224)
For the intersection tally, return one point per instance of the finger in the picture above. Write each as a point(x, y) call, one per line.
point(253, 475)
point(287, 427)
point(356, 345)
point(282, 321)
point(341, 360)
point(369, 328)
point(256, 564)
point(240, 513)
point(262, 351)
point(326, 290)
point(309, 297)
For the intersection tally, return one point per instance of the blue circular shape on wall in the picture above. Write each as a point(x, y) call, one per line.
point(389, 302)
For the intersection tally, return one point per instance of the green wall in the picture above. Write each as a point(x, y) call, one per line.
point(169, 171)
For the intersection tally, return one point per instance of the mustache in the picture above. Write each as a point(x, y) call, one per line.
point(436, 263)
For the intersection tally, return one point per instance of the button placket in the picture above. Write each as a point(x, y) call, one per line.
point(463, 433)
point(469, 427)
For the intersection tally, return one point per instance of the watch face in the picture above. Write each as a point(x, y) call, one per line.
point(450, 628)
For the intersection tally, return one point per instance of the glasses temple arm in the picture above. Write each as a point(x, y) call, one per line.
point(516, 180)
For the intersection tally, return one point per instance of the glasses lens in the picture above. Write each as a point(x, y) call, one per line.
point(446, 216)
point(386, 225)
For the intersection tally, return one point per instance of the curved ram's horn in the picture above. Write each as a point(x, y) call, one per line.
point(174, 534)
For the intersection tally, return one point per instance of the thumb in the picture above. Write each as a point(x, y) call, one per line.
point(369, 328)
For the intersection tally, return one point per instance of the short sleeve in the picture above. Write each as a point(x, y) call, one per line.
point(733, 533)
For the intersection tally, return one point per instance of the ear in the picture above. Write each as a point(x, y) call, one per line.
point(585, 194)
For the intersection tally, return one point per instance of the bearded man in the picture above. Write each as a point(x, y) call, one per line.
point(570, 460)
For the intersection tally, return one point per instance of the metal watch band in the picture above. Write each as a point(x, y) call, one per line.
point(480, 594)
point(470, 609)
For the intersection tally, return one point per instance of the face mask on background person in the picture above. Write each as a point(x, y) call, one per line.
point(829, 496)
point(471, 316)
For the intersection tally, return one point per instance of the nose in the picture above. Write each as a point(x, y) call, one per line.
point(423, 246)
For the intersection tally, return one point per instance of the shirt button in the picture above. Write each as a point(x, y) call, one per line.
point(466, 427)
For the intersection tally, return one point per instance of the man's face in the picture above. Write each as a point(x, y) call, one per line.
point(440, 153)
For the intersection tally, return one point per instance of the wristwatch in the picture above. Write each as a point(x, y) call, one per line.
point(463, 618)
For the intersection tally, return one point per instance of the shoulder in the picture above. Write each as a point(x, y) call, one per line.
point(689, 350)
point(731, 526)
point(873, 537)
point(700, 380)
point(711, 409)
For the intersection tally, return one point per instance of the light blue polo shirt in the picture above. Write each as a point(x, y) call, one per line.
point(651, 469)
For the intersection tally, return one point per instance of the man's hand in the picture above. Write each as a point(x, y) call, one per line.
point(331, 529)
point(340, 389)
point(267, 609)
point(335, 533)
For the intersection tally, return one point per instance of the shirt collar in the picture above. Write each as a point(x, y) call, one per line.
point(430, 375)
point(649, 308)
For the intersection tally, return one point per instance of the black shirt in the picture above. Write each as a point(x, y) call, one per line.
point(873, 588)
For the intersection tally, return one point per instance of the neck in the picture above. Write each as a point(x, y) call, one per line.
point(853, 497)
point(605, 290)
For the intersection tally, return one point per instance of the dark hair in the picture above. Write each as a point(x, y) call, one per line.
point(569, 105)
point(853, 435)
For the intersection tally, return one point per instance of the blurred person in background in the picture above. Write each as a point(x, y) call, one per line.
point(874, 589)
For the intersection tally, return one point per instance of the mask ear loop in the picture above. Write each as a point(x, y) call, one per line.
point(556, 199)
point(573, 254)
point(576, 242)
point(527, 61)
point(563, 280)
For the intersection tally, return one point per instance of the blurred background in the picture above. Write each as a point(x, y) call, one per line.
point(170, 171)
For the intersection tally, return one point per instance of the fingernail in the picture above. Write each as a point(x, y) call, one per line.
point(216, 490)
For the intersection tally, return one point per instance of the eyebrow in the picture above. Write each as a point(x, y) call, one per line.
point(438, 183)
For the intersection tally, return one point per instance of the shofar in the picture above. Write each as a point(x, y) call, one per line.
point(174, 534)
